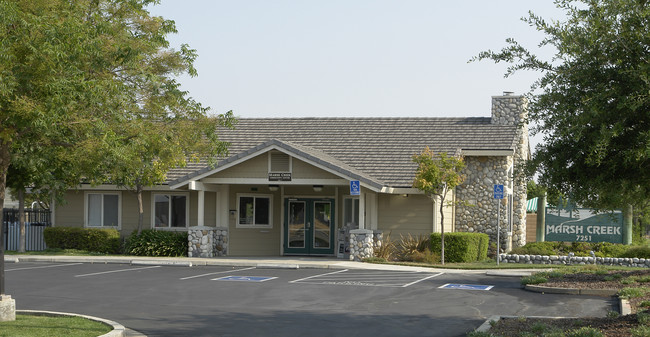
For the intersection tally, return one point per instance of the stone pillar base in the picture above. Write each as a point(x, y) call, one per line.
point(7, 308)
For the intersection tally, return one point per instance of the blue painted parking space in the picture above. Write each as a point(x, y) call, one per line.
point(466, 286)
point(245, 278)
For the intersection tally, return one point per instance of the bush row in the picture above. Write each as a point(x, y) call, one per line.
point(462, 246)
point(149, 242)
point(600, 249)
point(98, 240)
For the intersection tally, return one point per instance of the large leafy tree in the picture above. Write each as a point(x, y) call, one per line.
point(73, 76)
point(150, 147)
point(592, 101)
point(436, 175)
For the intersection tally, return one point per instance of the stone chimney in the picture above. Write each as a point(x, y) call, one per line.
point(509, 109)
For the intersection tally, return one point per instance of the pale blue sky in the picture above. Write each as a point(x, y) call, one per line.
point(351, 58)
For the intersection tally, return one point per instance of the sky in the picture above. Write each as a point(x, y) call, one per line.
point(352, 58)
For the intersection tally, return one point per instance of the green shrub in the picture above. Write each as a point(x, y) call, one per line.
point(411, 246)
point(637, 251)
point(387, 249)
point(153, 242)
point(461, 246)
point(608, 249)
point(101, 240)
point(537, 248)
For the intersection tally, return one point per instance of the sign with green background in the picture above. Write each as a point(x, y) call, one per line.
point(582, 224)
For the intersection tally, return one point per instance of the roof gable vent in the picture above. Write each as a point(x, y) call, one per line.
point(279, 162)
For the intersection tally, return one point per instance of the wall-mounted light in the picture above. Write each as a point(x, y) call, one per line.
point(405, 195)
point(273, 188)
point(318, 188)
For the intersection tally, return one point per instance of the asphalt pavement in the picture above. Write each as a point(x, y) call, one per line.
point(284, 296)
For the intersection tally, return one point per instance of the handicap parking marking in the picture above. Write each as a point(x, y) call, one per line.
point(215, 273)
point(465, 286)
point(48, 266)
point(115, 271)
point(244, 278)
point(394, 279)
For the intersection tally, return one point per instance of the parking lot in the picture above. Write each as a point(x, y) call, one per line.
point(248, 301)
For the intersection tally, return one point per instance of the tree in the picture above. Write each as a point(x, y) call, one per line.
point(591, 102)
point(73, 75)
point(436, 175)
point(150, 147)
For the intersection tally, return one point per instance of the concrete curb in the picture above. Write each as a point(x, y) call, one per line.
point(277, 266)
point(625, 307)
point(161, 263)
point(571, 291)
point(118, 329)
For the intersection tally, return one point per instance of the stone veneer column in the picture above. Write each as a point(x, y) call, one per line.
point(221, 241)
point(483, 172)
point(361, 244)
point(200, 241)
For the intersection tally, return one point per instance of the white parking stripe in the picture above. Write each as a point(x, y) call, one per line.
point(426, 278)
point(116, 271)
point(219, 272)
point(39, 267)
point(307, 278)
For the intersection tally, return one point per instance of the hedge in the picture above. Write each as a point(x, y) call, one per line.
point(100, 240)
point(462, 246)
point(151, 242)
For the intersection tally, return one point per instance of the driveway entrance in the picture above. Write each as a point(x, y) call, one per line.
point(309, 226)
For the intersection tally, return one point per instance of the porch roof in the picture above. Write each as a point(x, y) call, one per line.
point(375, 150)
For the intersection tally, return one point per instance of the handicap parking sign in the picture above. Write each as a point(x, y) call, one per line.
point(498, 191)
point(355, 187)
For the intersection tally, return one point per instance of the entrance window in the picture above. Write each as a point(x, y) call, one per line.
point(170, 210)
point(351, 212)
point(254, 211)
point(102, 210)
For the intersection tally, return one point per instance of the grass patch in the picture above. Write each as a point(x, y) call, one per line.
point(46, 326)
point(628, 293)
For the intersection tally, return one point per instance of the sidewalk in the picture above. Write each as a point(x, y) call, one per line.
point(280, 262)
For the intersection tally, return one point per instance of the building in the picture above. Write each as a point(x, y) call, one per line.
point(285, 187)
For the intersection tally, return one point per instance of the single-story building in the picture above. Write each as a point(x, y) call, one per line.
point(285, 187)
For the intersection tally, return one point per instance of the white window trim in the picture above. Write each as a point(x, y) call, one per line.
point(153, 210)
point(253, 195)
point(102, 193)
point(353, 198)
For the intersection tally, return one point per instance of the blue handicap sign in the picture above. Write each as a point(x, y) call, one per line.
point(355, 187)
point(465, 286)
point(244, 278)
point(498, 191)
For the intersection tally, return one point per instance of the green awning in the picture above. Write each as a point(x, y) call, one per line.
point(531, 205)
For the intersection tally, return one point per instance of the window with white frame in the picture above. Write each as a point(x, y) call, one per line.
point(170, 210)
point(102, 209)
point(351, 212)
point(254, 210)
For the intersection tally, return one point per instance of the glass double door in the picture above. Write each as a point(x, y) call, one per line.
point(309, 226)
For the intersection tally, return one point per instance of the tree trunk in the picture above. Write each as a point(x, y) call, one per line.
point(5, 158)
point(21, 219)
point(442, 230)
point(628, 213)
point(138, 191)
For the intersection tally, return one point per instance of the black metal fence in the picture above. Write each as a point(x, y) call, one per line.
point(35, 223)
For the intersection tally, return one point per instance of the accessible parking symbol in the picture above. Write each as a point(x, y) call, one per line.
point(465, 286)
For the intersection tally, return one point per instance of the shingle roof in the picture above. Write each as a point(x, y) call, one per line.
point(379, 149)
